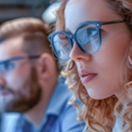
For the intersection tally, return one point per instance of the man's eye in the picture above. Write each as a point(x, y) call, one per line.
point(8, 66)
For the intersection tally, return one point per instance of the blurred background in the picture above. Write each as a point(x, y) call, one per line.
point(43, 9)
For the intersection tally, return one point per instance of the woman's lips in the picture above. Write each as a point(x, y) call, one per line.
point(87, 77)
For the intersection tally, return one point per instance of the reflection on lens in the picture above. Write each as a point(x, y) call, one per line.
point(62, 45)
point(88, 38)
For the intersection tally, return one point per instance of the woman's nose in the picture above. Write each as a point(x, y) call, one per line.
point(77, 54)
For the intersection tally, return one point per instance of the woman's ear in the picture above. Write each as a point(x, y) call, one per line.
point(46, 66)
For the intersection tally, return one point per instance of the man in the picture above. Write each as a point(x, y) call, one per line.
point(29, 81)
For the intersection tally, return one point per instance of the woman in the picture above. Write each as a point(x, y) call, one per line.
point(96, 36)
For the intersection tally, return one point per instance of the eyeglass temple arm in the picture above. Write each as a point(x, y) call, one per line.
point(12, 59)
point(20, 58)
point(112, 22)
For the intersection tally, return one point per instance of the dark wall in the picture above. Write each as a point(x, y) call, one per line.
point(10, 9)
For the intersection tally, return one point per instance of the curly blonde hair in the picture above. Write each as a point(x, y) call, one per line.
point(99, 115)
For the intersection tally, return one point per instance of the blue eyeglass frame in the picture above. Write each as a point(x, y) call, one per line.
point(20, 58)
point(72, 37)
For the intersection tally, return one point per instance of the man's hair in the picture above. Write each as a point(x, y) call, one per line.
point(33, 30)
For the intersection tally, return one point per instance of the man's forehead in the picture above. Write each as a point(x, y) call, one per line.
point(11, 47)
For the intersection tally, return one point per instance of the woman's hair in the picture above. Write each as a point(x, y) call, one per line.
point(99, 115)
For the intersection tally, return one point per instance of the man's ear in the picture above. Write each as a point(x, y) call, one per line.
point(46, 66)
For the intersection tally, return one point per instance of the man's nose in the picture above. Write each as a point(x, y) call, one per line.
point(2, 80)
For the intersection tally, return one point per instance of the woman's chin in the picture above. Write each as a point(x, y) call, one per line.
point(97, 95)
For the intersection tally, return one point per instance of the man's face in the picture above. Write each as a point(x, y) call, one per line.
point(19, 85)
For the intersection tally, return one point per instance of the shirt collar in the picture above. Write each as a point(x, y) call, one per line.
point(59, 98)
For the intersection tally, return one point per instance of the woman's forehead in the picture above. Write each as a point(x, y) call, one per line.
point(78, 11)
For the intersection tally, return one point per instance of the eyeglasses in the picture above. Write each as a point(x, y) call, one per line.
point(87, 37)
point(8, 65)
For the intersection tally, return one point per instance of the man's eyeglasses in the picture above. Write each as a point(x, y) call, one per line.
point(87, 36)
point(7, 65)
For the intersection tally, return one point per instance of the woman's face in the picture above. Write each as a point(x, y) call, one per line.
point(99, 72)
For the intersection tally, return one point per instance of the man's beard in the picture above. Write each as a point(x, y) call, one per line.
point(27, 96)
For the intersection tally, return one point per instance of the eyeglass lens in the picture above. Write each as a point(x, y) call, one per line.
point(87, 38)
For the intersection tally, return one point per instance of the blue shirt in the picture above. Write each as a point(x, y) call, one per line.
point(64, 115)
